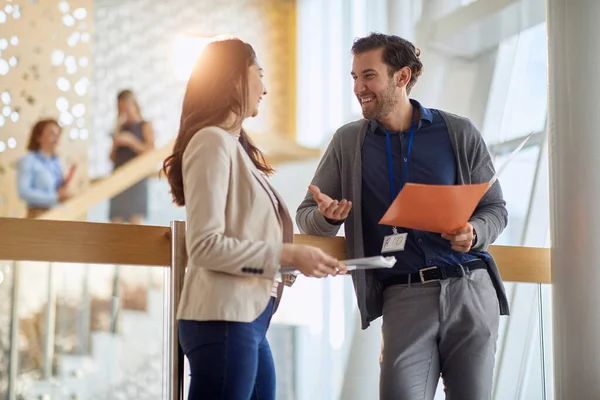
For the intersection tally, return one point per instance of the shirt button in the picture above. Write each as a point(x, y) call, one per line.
point(405, 159)
point(420, 240)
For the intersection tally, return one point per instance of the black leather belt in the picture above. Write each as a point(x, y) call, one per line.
point(434, 274)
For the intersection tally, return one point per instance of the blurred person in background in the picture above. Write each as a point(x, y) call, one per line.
point(132, 137)
point(239, 231)
point(40, 180)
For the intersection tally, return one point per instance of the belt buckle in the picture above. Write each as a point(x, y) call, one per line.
point(423, 280)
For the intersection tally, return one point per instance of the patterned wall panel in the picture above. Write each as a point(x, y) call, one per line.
point(45, 57)
point(134, 43)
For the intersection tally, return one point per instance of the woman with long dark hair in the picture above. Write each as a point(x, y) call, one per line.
point(239, 231)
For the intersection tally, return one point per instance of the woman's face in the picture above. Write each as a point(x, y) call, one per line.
point(128, 110)
point(49, 138)
point(256, 89)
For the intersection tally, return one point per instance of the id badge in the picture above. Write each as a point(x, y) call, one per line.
point(394, 242)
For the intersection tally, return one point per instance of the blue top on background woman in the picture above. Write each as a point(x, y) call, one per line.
point(40, 180)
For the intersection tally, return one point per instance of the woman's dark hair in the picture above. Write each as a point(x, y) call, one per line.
point(218, 87)
point(37, 131)
point(397, 54)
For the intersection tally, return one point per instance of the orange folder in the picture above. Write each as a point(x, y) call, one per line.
point(434, 208)
point(440, 208)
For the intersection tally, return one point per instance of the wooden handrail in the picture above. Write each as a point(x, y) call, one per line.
point(278, 150)
point(154, 174)
point(107, 188)
point(85, 242)
point(516, 264)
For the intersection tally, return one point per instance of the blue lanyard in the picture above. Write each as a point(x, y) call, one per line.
point(405, 167)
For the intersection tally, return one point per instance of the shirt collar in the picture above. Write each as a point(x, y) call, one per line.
point(46, 157)
point(425, 113)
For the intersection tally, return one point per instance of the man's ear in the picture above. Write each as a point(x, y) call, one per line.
point(402, 77)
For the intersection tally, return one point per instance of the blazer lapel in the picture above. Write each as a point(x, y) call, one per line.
point(268, 188)
point(261, 179)
point(286, 219)
point(288, 237)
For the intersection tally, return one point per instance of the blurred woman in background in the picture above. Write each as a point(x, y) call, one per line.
point(40, 180)
point(132, 137)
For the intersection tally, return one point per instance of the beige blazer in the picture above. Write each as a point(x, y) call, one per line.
point(235, 232)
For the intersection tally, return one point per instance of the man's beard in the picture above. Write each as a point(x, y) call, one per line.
point(385, 103)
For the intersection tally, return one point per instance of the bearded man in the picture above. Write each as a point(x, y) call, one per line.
point(442, 301)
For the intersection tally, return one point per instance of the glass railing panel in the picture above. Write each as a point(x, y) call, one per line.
point(546, 340)
point(524, 354)
point(83, 331)
point(6, 288)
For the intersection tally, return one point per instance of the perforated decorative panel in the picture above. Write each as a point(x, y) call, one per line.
point(45, 55)
point(134, 48)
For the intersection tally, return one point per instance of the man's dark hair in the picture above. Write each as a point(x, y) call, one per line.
point(397, 54)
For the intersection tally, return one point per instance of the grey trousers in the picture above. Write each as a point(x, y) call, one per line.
point(448, 328)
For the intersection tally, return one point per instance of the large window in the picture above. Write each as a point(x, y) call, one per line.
point(517, 182)
point(517, 103)
point(517, 106)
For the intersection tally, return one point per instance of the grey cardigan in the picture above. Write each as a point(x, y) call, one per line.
point(339, 175)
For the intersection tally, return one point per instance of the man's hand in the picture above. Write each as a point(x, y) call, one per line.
point(461, 239)
point(334, 210)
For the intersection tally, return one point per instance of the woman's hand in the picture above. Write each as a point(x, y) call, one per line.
point(63, 193)
point(311, 261)
point(126, 139)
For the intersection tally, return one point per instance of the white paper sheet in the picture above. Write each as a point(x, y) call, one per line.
point(370, 263)
point(357, 263)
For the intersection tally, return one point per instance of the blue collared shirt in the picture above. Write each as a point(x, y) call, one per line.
point(432, 161)
point(38, 179)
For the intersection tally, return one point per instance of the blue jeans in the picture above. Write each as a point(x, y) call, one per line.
point(229, 360)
